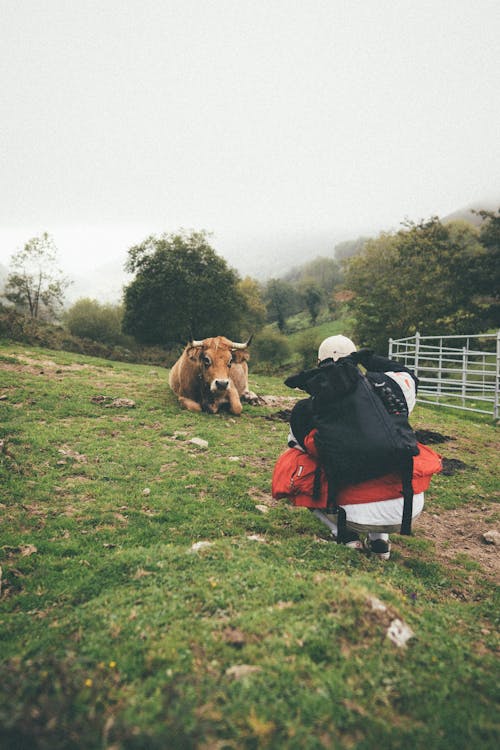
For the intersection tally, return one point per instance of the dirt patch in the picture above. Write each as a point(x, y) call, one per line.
point(452, 465)
point(278, 402)
point(428, 437)
point(279, 416)
point(460, 532)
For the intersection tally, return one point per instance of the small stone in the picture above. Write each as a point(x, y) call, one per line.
point(262, 508)
point(203, 444)
point(234, 458)
point(492, 537)
point(399, 633)
point(238, 671)
point(200, 545)
point(146, 492)
point(376, 604)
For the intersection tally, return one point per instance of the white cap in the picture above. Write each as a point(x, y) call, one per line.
point(335, 347)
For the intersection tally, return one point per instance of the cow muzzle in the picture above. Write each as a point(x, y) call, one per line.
point(219, 384)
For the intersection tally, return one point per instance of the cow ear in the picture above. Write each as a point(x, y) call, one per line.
point(193, 352)
point(240, 355)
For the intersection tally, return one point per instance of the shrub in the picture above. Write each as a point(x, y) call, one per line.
point(271, 347)
point(87, 318)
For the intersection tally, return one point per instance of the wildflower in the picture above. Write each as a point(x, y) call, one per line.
point(112, 664)
point(88, 682)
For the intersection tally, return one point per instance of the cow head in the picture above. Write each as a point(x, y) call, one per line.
point(215, 356)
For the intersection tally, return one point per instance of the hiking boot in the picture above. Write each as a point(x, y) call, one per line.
point(352, 540)
point(378, 547)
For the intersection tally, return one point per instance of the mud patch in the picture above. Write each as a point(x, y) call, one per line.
point(279, 416)
point(452, 465)
point(428, 437)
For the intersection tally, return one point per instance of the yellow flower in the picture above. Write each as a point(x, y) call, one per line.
point(112, 664)
point(88, 682)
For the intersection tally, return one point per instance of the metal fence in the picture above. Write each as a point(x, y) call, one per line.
point(460, 372)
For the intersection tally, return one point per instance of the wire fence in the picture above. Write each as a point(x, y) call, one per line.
point(460, 372)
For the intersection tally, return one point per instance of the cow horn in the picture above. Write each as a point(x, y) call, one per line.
point(236, 345)
point(196, 343)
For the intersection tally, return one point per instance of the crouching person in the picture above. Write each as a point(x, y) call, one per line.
point(372, 504)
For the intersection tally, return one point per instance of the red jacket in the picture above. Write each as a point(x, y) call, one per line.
point(295, 473)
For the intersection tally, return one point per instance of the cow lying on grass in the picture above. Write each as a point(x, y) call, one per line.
point(211, 373)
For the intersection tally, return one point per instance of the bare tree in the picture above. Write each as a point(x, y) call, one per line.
point(36, 284)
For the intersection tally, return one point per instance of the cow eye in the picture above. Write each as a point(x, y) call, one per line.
point(230, 363)
point(206, 360)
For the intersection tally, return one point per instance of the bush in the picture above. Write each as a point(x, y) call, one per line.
point(307, 347)
point(17, 327)
point(87, 318)
point(271, 347)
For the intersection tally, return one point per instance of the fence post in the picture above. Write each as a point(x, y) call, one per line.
point(390, 348)
point(440, 369)
point(464, 373)
point(497, 379)
point(417, 348)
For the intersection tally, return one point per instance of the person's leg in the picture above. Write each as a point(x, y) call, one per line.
point(352, 538)
point(378, 544)
point(376, 535)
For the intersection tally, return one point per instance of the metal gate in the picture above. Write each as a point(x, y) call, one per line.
point(460, 372)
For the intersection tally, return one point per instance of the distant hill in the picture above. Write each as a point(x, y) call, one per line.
point(466, 213)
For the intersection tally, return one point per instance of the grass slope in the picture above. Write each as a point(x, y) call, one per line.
point(115, 633)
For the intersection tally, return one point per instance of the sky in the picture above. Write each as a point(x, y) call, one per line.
point(269, 123)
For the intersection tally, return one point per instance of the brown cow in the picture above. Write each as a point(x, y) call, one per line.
point(210, 373)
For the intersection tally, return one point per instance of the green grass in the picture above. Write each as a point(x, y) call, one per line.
point(115, 634)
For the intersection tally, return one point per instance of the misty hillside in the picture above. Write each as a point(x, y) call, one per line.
point(466, 213)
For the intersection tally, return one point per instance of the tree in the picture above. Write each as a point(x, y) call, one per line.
point(255, 309)
point(420, 279)
point(487, 278)
point(36, 284)
point(281, 301)
point(87, 318)
point(313, 298)
point(182, 289)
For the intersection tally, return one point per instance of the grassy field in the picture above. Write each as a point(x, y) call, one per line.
point(153, 596)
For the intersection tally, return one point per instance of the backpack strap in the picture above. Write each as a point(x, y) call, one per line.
point(406, 476)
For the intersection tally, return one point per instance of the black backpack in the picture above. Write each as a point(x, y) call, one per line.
point(362, 430)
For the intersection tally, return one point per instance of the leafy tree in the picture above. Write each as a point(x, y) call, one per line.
point(313, 298)
point(182, 289)
point(87, 318)
point(282, 300)
point(421, 278)
point(487, 278)
point(255, 308)
point(36, 284)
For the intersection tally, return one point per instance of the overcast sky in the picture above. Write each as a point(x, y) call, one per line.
point(248, 118)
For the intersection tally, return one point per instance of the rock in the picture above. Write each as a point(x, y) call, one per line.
point(238, 671)
point(146, 492)
point(122, 402)
point(492, 537)
point(234, 458)
point(262, 508)
point(399, 633)
point(376, 604)
point(200, 545)
point(203, 444)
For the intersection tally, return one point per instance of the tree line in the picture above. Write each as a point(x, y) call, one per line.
point(432, 276)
